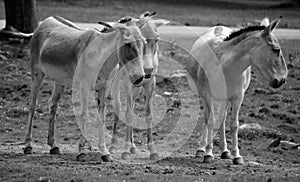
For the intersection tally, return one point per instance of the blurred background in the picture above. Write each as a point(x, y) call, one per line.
point(188, 12)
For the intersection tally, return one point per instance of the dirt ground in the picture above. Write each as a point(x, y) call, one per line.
point(277, 112)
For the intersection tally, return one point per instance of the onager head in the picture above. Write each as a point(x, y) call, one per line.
point(268, 59)
point(148, 28)
point(130, 50)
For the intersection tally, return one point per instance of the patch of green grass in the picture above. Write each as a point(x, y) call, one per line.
point(203, 13)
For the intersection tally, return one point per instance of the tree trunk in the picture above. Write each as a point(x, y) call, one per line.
point(21, 14)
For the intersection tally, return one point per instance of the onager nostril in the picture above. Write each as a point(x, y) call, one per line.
point(136, 78)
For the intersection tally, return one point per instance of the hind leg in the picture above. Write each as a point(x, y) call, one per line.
point(203, 140)
point(222, 118)
point(206, 142)
point(36, 80)
point(57, 92)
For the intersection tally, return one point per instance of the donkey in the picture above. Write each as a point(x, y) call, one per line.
point(220, 66)
point(58, 46)
point(150, 55)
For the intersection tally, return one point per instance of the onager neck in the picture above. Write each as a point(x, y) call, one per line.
point(94, 59)
point(236, 58)
point(111, 56)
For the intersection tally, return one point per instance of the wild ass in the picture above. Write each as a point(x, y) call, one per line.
point(56, 49)
point(150, 57)
point(221, 70)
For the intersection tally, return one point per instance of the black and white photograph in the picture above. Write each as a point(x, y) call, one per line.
point(158, 91)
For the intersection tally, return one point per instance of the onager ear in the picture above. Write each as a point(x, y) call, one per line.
point(147, 14)
point(125, 20)
point(271, 27)
point(274, 23)
point(144, 18)
point(265, 22)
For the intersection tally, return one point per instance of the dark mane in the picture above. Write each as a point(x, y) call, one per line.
point(104, 29)
point(242, 31)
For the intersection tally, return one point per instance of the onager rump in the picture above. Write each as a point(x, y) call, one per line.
point(58, 46)
point(221, 69)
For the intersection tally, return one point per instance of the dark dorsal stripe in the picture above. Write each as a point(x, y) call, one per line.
point(244, 30)
point(149, 14)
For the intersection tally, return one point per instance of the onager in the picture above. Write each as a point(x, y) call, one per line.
point(221, 69)
point(150, 57)
point(58, 46)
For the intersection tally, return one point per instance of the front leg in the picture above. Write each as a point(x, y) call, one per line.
point(106, 156)
point(115, 92)
point(149, 89)
point(236, 105)
point(83, 117)
point(131, 94)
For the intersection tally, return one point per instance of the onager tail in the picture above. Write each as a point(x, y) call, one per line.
point(11, 32)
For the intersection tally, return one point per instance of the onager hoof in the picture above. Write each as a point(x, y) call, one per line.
point(154, 156)
point(133, 150)
point(208, 159)
point(81, 157)
point(238, 161)
point(199, 154)
point(106, 158)
point(225, 155)
point(125, 155)
point(28, 150)
point(112, 150)
point(55, 150)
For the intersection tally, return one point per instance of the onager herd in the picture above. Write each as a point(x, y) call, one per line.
point(219, 65)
